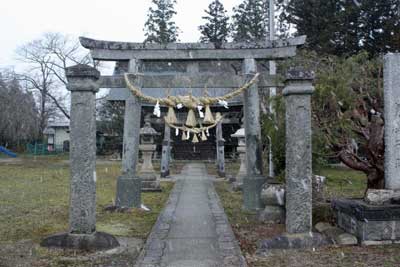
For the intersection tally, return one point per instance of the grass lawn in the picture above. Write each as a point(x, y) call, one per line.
point(34, 201)
point(340, 183)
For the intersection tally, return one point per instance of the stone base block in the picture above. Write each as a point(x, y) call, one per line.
point(293, 241)
point(128, 192)
point(252, 187)
point(273, 214)
point(371, 224)
point(89, 242)
point(165, 174)
point(237, 186)
point(151, 186)
point(221, 174)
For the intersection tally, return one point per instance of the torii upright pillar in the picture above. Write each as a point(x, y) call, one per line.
point(129, 185)
point(252, 183)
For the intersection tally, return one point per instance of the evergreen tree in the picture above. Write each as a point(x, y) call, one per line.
point(159, 27)
point(344, 27)
point(250, 20)
point(216, 29)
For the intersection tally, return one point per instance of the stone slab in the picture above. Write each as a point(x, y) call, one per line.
point(128, 192)
point(92, 242)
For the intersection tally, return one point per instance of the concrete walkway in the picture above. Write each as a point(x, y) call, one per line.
point(193, 229)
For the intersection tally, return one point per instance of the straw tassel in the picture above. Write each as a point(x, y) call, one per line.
point(208, 118)
point(203, 136)
point(195, 139)
point(171, 117)
point(218, 116)
point(184, 136)
point(191, 119)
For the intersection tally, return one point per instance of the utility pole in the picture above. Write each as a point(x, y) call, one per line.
point(272, 71)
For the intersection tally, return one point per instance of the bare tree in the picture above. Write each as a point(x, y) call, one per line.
point(18, 112)
point(46, 60)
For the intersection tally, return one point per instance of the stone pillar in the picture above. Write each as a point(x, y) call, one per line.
point(392, 120)
point(297, 93)
point(165, 156)
point(254, 180)
point(82, 213)
point(129, 184)
point(220, 151)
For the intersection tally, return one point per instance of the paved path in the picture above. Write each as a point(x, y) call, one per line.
point(193, 229)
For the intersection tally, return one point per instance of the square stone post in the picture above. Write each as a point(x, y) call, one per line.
point(81, 83)
point(82, 213)
point(165, 156)
point(297, 93)
point(392, 120)
point(220, 151)
point(252, 183)
point(129, 183)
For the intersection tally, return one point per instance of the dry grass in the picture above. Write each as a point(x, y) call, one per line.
point(340, 183)
point(34, 201)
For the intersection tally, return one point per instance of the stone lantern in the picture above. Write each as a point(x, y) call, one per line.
point(241, 149)
point(147, 147)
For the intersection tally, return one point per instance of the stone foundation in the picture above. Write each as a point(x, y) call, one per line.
point(371, 225)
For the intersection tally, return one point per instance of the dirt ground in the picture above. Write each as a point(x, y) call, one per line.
point(249, 232)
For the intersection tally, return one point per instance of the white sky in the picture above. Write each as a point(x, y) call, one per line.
point(22, 21)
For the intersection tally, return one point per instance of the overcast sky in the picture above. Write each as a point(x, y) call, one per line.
point(119, 20)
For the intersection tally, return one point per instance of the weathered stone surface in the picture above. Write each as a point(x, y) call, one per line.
point(381, 197)
point(220, 151)
point(392, 120)
point(275, 214)
point(298, 153)
point(82, 213)
point(165, 154)
point(128, 192)
point(368, 222)
point(130, 149)
point(376, 243)
point(105, 50)
point(346, 239)
point(318, 183)
point(88, 242)
point(273, 194)
point(323, 226)
point(293, 241)
point(193, 229)
point(110, 45)
point(241, 150)
point(184, 80)
point(252, 183)
point(252, 192)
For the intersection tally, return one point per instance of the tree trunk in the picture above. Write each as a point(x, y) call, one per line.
point(376, 179)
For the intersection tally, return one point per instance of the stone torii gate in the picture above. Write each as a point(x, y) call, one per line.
point(84, 82)
point(140, 55)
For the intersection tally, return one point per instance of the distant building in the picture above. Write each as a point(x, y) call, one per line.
point(57, 134)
